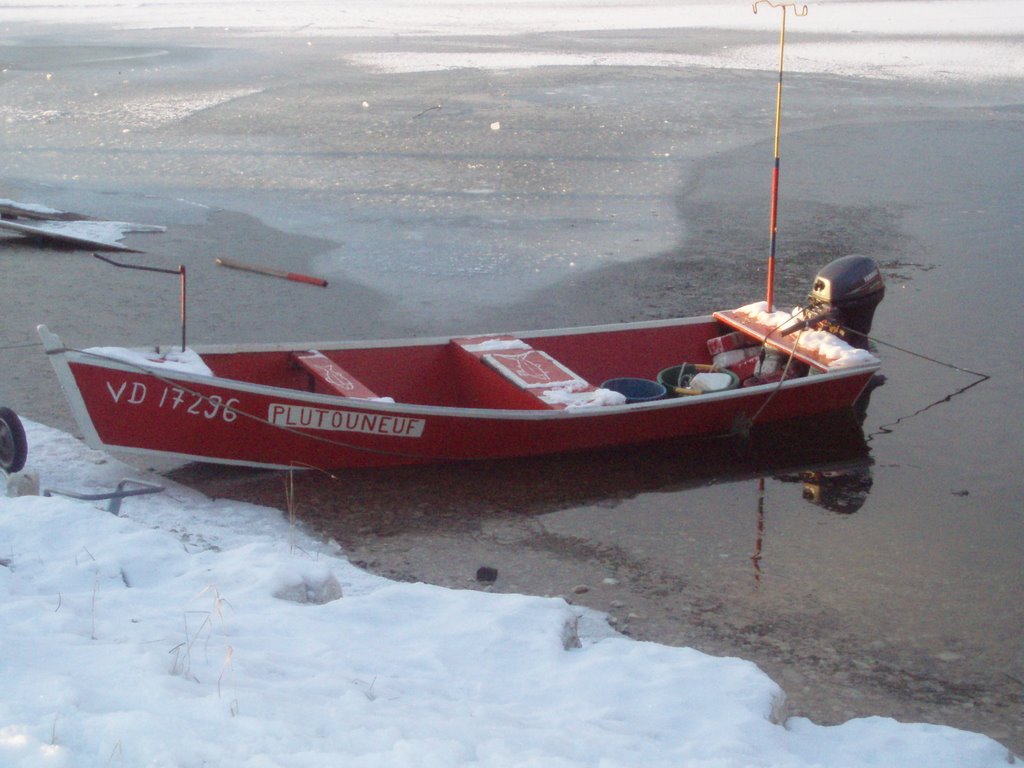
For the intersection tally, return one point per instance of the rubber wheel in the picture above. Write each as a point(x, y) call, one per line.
point(13, 444)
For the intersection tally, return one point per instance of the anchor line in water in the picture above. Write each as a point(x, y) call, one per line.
point(26, 345)
point(755, 558)
point(887, 429)
point(981, 376)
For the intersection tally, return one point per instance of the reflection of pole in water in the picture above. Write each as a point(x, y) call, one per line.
point(840, 488)
point(759, 541)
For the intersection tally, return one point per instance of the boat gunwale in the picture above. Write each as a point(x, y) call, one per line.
point(426, 341)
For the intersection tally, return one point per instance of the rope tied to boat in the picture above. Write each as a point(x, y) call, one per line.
point(980, 378)
point(744, 430)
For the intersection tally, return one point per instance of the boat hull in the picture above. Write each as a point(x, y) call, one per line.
point(124, 407)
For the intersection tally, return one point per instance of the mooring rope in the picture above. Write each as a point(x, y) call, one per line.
point(981, 376)
point(886, 429)
point(24, 345)
point(785, 371)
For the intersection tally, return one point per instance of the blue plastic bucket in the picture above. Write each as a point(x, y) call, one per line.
point(636, 390)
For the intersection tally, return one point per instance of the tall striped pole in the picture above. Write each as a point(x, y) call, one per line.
point(773, 219)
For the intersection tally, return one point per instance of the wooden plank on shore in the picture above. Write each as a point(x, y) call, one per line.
point(12, 210)
point(64, 237)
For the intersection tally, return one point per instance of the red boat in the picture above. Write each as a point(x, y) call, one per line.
point(386, 403)
point(362, 404)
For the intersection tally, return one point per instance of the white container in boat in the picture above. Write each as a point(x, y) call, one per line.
point(773, 361)
point(734, 356)
point(711, 382)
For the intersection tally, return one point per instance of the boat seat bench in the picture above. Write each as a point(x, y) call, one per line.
point(770, 337)
point(331, 376)
point(532, 372)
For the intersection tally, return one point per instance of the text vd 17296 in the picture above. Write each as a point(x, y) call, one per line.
point(175, 399)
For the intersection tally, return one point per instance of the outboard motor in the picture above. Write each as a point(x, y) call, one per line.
point(847, 291)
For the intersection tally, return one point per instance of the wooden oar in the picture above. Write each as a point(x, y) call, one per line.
point(294, 276)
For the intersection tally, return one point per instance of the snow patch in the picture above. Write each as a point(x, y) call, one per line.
point(176, 360)
point(193, 631)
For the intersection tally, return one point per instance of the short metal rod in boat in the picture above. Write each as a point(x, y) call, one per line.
point(180, 271)
point(773, 219)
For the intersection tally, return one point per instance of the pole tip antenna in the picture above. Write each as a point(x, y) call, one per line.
point(798, 10)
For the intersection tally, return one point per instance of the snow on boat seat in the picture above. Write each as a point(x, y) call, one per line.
point(332, 376)
point(821, 350)
point(534, 372)
point(171, 361)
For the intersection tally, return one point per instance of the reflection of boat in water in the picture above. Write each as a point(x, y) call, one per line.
point(425, 509)
point(837, 488)
point(453, 496)
point(841, 486)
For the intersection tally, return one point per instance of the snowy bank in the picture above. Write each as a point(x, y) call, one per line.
point(200, 632)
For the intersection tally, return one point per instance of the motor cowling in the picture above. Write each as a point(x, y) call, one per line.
point(849, 290)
